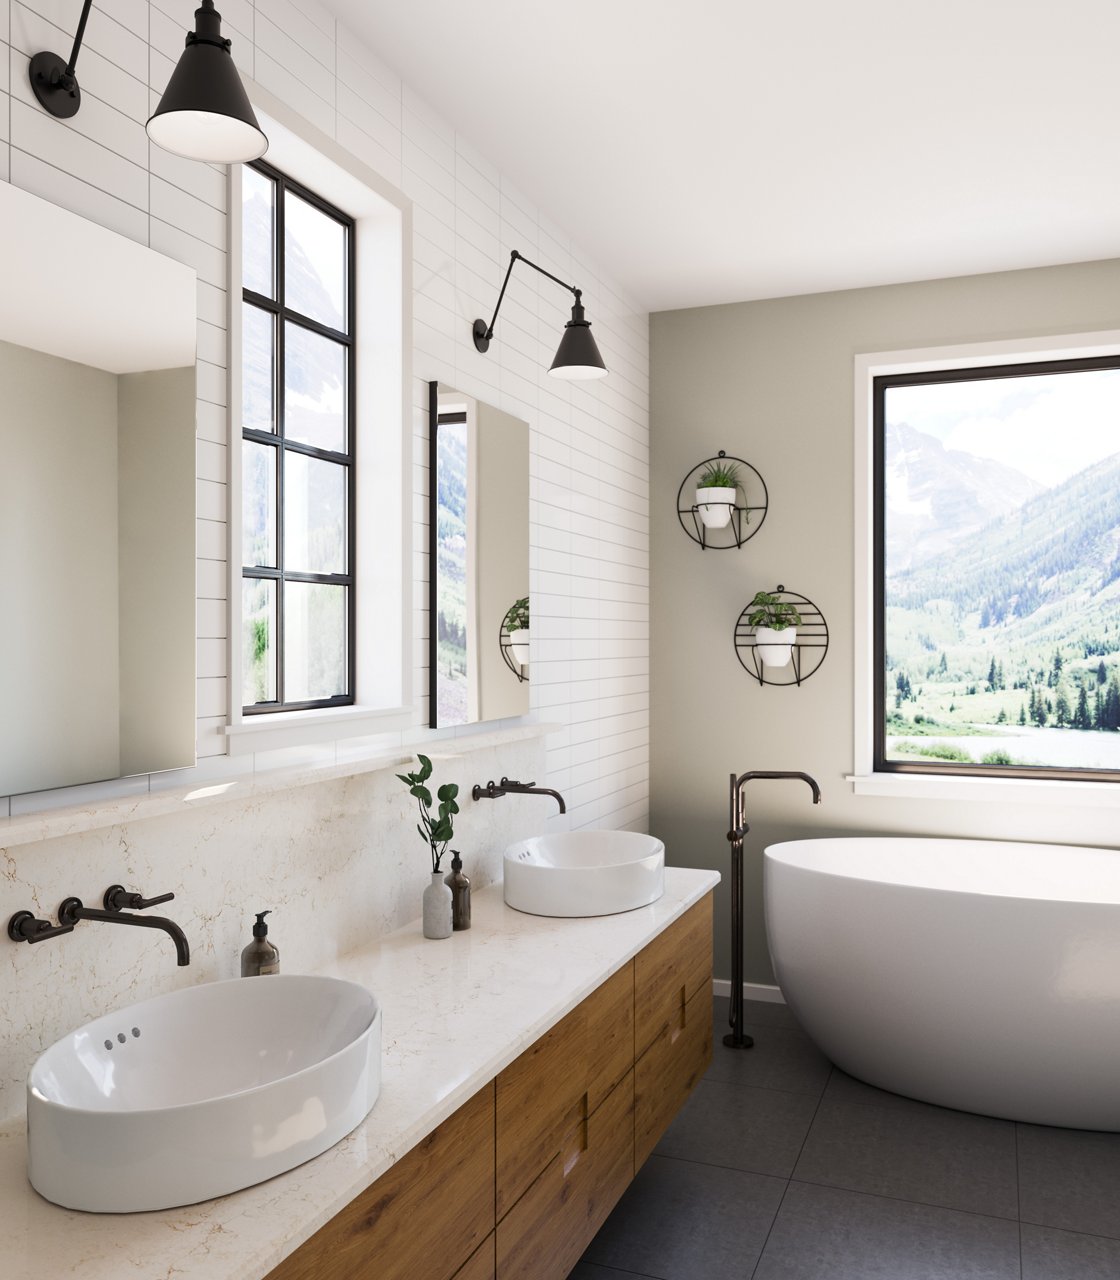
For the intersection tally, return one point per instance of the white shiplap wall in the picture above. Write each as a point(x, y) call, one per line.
point(589, 559)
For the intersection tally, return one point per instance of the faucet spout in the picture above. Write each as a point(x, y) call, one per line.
point(71, 911)
point(509, 786)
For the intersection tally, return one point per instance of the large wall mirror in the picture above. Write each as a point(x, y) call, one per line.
point(479, 561)
point(97, 511)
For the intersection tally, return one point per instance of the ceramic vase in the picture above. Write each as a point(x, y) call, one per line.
point(775, 647)
point(437, 908)
point(714, 505)
point(519, 646)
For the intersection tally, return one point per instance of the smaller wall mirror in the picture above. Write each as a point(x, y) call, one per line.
point(479, 561)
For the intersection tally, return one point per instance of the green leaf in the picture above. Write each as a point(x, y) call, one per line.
point(423, 834)
point(407, 779)
point(448, 791)
point(423, 795)
point(441, 830)
point(425, 768)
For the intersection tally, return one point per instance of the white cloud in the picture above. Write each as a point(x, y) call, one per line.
point(1048, 427)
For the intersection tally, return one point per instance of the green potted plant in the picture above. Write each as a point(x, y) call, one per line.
point(775, 622)
point(716, 493)
point(516, 625)
point(436, 833)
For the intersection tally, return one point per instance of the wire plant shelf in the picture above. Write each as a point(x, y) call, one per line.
point(806, 654)
point(745, 520)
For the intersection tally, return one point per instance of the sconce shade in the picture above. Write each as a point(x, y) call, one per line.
point(577, 356)
point(205, 113)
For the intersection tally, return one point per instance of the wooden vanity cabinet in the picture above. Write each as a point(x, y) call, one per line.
point(673, 1023)
point(421, 1218)
point(516, 1183)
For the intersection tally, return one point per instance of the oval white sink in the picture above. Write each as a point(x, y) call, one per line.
point(584, 873)
point(201, 1092)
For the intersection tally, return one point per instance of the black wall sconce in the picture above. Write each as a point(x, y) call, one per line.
point(577, 356)
point(204, 113)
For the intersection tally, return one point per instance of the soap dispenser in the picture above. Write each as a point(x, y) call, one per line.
point(460, 887)
point(260, 956)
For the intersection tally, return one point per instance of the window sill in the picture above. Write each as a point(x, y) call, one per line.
point(898, 786)
point(306, 728)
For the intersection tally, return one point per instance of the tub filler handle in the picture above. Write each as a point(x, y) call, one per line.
point(736, 1039)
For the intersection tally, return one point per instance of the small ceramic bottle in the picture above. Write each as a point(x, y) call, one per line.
point(460, 887)
point(437, 908)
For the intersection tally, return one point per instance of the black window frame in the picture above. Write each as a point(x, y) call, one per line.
point(880, 385)
point(282, 315)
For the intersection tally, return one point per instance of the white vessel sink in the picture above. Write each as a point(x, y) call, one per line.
point(584, 873)
point(201, 1092)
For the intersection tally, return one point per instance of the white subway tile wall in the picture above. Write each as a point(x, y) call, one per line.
point(589, 558)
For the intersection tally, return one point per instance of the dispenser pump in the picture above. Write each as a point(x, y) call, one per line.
point(260, 957)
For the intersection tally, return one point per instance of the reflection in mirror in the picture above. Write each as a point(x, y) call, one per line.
point(479, 560)
point(97, 504)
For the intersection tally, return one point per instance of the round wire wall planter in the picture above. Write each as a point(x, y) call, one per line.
point(745, 521)
point(806, 654)
point(516, 667)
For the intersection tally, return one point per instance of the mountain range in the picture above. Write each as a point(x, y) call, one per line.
point(938, 498)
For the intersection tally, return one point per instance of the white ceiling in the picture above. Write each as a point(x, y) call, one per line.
point(723, 150)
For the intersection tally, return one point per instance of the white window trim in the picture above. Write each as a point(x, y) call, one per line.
point(864, 779)
point(383, 503)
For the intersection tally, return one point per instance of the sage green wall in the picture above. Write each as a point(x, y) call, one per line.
point(772, 382)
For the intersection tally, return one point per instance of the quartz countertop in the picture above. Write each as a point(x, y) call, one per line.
point(455, 1013)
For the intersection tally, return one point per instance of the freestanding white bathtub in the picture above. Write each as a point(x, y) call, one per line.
point(974, 974)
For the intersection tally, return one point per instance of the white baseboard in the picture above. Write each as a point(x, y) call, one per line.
point(751, 991)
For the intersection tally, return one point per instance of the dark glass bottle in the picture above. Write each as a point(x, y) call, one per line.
point(460, 887)
point(260, 956)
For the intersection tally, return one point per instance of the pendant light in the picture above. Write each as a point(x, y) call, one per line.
point(205, 113)
point(577, 357)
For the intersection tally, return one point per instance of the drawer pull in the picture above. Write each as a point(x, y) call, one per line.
point(575, 1144)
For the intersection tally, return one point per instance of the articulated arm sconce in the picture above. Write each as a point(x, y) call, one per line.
point(578, 356)
point(204, 113)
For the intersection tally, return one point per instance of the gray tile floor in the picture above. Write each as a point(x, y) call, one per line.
point(781, 1167)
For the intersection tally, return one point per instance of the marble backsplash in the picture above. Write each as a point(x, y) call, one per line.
point(338, 862)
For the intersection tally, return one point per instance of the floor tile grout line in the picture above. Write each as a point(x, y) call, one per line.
point(789, 1180)
point(921, 1204)
point(1019, 1202)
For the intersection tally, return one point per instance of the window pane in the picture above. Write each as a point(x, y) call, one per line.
point(314, 389)
point(314, 641)
point(314, 515)
point(314, 263)
point(1002, 576)
point(258, 220)
point(258, 504)
point(258, 356)
point(258, 641)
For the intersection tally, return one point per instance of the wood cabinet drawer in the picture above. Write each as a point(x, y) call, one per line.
point(420, 1219)
point(547, 1230)
point(480, 1265)
point(559, 1082)
point(668, 1071)
point(670, 971)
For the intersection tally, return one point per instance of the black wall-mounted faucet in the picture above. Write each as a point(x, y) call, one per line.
point(507, 786)
point(24, 927)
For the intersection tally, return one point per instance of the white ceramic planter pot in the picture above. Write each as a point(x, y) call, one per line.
point(519, 646)
point(715, 506)
point(775, 647)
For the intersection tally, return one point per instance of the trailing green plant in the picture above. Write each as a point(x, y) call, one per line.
point(517, 616)
point(770, 611)
point(719, 475)
point(436, 833)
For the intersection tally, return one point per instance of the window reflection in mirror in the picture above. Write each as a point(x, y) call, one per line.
point(479, 555)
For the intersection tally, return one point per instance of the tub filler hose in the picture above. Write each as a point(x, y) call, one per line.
point(736, 1038)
